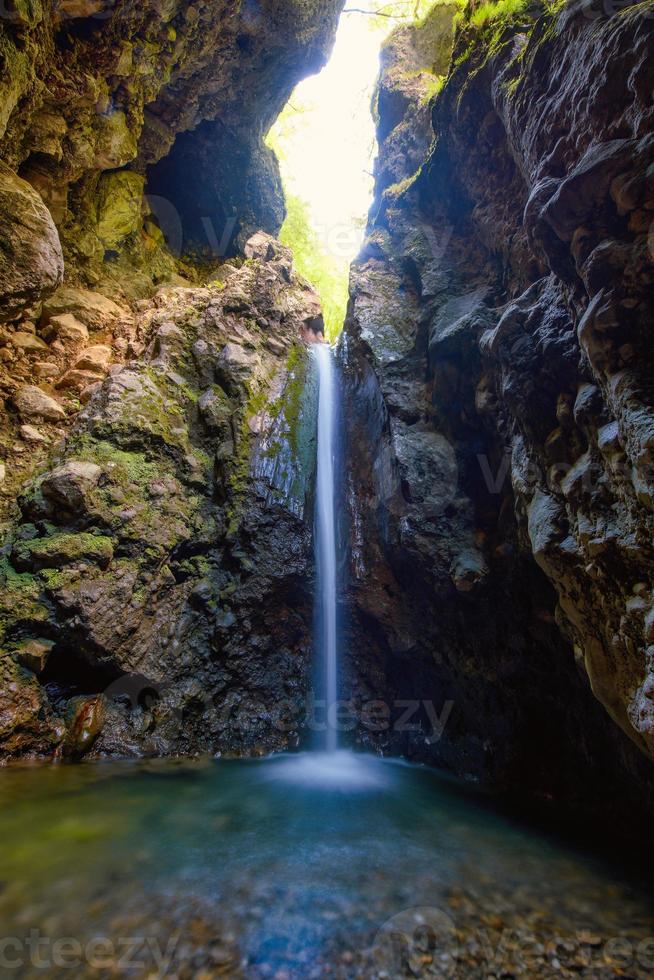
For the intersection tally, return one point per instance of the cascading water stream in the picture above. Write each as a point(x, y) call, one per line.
point(325, 531)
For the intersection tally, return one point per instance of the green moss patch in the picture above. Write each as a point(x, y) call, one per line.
point(20, 597)
point(62, 549)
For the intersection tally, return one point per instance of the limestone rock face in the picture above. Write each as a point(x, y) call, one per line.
point(31, 260)
point(162, 560)
point(499, 319)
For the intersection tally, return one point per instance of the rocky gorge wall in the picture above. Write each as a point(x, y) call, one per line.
point(131, 156)
point(497, 375)
point(157, 583)
point(158, 438)
point(97, 94)
point(156, 443)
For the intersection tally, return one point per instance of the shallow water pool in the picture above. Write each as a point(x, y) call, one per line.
point(297, 867)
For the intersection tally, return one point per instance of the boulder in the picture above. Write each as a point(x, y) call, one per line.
point(31, 434)
point(86, 394)
point(32, 403)
point(31, 260)
point(85, 718)
point(69, 329)
point(95, 359)
point(27, 341)
point(68, 486)
point(78, 380)
point(91, 308)
point(45, 369)
point(265, 247)
point(34, 654)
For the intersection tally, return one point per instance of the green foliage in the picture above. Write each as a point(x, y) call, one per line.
point(312, 259)
point(500, 10)
point(384, 15)
point(396, 190)
point(435, 87)
point(328, 274)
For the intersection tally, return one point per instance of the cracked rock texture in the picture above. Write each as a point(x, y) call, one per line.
point(157, 582)
point(498, 378)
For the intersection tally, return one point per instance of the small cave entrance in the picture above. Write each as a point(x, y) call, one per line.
point(215, 188)
point(70, 673)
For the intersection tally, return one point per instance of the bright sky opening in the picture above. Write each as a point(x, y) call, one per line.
point(326, 144)
point(326, 138)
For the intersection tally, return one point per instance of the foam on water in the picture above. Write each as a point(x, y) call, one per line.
point(341, 770)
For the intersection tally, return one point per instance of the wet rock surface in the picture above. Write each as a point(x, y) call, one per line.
point(163, 555)
point(497, 371)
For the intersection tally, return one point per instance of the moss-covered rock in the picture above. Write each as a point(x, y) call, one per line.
point(183, 98)
point(119, 203)
point(62, 549)
point(174, 524)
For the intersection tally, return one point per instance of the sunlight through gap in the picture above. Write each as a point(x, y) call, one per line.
point(326, 143)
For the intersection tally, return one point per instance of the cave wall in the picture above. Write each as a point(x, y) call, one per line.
point(498, 378)
point(131, 156)
point(95, 93)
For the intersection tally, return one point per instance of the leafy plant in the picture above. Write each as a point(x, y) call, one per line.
point(494, 11)
point(384, 16)
point(313, 260)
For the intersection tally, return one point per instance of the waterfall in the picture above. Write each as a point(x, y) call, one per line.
point(325, 532)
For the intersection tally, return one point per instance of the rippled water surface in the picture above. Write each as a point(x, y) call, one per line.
point(296, 867)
